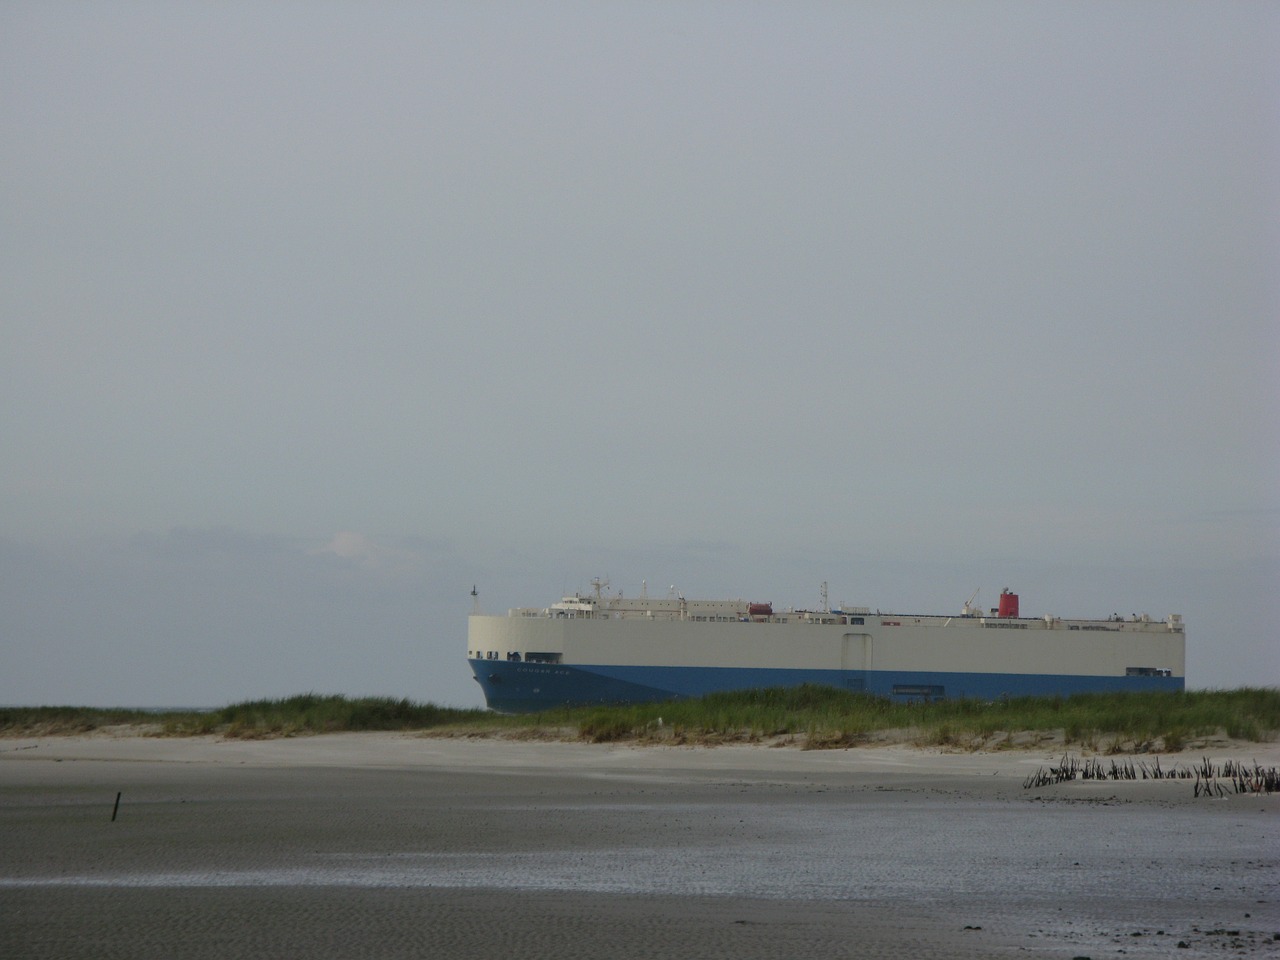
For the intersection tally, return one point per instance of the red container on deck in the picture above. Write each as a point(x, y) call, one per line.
point(760, 609)
point(1008, 604)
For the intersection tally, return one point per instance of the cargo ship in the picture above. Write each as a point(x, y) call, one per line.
point(595, 648)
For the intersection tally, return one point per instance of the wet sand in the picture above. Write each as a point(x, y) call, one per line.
point(403, 846)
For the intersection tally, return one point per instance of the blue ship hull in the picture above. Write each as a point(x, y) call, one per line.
point(522, 687)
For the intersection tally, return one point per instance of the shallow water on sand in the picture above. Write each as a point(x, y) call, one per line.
point(902, 866)
point(874, 852)
point(890, 850)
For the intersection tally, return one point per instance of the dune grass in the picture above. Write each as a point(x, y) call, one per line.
point(809, 716)
point(67, 721)
point(315, 713)
point(291, 716)
point(826, 717)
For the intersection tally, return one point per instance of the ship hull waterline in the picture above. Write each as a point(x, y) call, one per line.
point(530, 688)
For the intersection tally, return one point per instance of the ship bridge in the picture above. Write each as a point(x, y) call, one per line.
point(575, 607)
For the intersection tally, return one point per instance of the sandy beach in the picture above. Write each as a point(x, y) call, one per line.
point(406, 846)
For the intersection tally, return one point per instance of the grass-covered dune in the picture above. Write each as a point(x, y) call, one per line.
point(808, 716)
point(821, 716)
point(302, 714)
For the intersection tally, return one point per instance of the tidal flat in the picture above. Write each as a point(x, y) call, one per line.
point(398, 845)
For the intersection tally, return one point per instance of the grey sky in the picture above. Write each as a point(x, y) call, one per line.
point(312, 316)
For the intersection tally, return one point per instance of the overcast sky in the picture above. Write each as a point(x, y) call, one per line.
point(312, 316)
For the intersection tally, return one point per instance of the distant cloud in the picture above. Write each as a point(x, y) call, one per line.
point(708, 546)
point(191, 542)
point(365, 552)
point(1258, 513)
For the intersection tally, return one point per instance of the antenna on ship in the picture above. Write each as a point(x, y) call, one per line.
point(826, 604)
point(475, 599)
